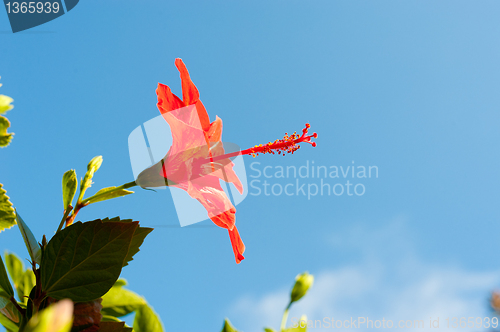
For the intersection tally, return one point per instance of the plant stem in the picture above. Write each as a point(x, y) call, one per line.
point(66, 214)
point(285, 317)
point(39, 293)
point(81, 204)
point(70, 219)
point(18, 307)
point(128, 185)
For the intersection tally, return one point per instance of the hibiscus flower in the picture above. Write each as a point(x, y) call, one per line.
point(197, 160)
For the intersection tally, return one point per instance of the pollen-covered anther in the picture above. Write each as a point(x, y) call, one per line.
point(288, 144)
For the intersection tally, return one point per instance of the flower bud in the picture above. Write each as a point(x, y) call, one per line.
point(303, 282)
point(95, 163)
point(86, 182)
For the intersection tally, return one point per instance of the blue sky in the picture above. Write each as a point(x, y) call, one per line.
point(408, 86)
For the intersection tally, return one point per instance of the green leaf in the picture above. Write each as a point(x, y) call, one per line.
point(4, 280)
point(5, 137)
point(268, 329)
point(120, 283)
point(24, 280)
point(55, 318)
point(10, 312)
point(27, 283)
point(83, 261)
point(69, 185)
point(86, 182)
point(119, 301)
point(7, 213)
point(15, 267)
point(146, 320)
point(139, 236)
point(5, 104)
point(107, 193)
point(8, 324)
point(29, 239)
point(4, 299)
point(228, 327)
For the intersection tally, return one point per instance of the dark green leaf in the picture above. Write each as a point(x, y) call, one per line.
point(107, 193)
point(228, 327)
point(268, 329)
point(7, 213)
point(29, 239)
point(139, 236)
point(116, 219)
point(4, 280)
point(5, 137)
point(146, 320)
point(119, 301)
point(69, 185)
point(83, 261)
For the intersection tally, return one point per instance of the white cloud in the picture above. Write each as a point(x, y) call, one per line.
point(390, 282)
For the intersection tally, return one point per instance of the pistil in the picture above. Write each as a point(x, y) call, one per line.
point(288, 144)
